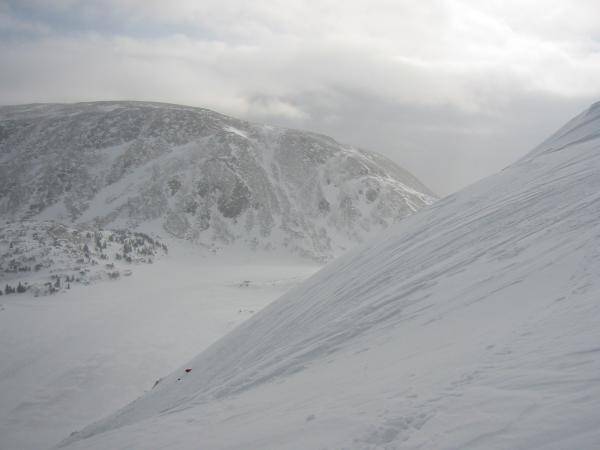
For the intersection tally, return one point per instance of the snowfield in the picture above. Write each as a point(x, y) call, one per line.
point(473, 324)
point(74, 357)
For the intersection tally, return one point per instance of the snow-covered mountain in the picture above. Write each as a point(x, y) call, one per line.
point(472, 324)
point(198, 175)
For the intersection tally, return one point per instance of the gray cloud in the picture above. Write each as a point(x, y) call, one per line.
point(453, 90)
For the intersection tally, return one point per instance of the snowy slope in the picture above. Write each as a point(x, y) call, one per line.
point(198, 175)
point(47, 257)
point(473, 324)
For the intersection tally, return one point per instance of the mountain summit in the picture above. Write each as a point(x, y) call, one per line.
point(472, 324)
point(198, 175)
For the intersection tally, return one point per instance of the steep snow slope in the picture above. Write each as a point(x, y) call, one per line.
point(197, 174)
point(473, 324)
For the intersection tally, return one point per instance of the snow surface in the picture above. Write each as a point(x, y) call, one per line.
point(473, 324)
point(70, 359)
point(72, 174)
point(47, 257)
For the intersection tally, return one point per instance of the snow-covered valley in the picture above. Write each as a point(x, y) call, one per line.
point(72, 358)
point(299, 225)
point(472, 324)
point(90, 195)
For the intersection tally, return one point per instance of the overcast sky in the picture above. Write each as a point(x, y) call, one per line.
point(452, 90)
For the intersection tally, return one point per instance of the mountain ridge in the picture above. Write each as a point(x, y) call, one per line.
point(198, 175)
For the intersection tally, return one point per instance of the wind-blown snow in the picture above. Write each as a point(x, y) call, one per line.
point(473, 324)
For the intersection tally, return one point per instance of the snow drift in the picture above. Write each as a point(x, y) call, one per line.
point(472, 324)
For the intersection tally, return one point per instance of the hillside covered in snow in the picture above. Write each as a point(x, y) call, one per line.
point(472, 324)
point(47, 257)
point(197, 175)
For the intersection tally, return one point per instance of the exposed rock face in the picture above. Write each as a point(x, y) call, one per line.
point(199, 175)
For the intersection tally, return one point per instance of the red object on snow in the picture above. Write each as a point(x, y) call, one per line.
point(188, 370)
